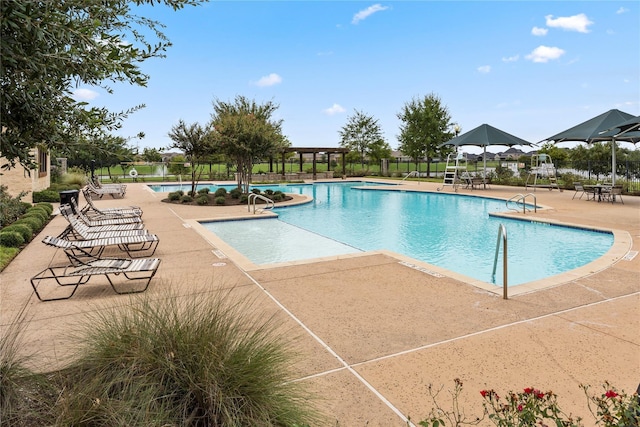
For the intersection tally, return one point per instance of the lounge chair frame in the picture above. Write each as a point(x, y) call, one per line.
point(90, 209)
point(134, 246)
point(80, 273)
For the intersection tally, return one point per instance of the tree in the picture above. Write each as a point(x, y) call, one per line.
point(151, 155)
point(50, 47)
point(559, 155)
point(246, 133)
point(426, 124)
point(196, 144)
point(107, 151)
point(363, 134)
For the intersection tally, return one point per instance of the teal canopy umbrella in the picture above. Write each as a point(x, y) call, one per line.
point(629, 129)
point(597, 130)
point(483, 136)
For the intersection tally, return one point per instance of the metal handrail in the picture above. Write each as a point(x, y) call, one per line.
point(521, 198)
point(411, 174)
point(502, 233)
point(251, 200)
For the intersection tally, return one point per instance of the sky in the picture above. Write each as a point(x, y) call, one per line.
point(532, 69)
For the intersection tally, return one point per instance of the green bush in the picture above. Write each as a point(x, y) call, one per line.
point(186, 199)
point(46, 196)
point(244, 198)
point(202, 199)
point(11, 208)
point(33, 222)
point(255, 191)
point(192, 193)
point(39, 209)
point(11, 239)
point(220, 192)
point(47, 206)
point(220, 200)
point(74, 178)
point(37, 214)
point(22, 229)
point(204, 190)
point(204, 361)
point(235, 193)
point(175, 195)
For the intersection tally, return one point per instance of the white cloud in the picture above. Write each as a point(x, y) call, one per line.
point(545, 54)
point(484, 69)
point(622, 10)
point(82, 94)
point(334, 109)
point(365, 13)
point(270, 80)
point(537, 31)
point(578, 22)
point(513, 58)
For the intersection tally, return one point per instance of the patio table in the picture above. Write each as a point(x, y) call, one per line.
point(597, 190)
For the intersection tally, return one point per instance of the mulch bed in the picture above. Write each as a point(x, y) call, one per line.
point(228, 201)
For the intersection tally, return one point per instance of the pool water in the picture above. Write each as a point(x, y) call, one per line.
point(451, 231)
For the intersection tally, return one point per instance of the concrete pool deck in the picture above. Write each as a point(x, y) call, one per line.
point(373, 332)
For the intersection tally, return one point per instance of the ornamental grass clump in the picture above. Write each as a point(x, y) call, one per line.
point(199, 361)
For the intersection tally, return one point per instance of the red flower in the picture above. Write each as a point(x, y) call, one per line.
point(528, 390)
point(611, 394)
point(539, 394)
point(484, 393)
point(519, 408)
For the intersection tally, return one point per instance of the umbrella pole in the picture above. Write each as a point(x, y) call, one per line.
point(484, 161)
point(613, 161)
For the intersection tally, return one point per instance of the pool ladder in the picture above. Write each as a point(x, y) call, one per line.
point(519, 200)
point(251, 201)
point(502, 235)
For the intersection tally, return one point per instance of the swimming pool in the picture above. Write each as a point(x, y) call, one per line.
point(454, 232)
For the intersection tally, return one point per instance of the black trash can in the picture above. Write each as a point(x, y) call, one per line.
point(66, 196)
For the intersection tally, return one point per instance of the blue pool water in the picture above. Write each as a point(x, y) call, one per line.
point(451, 231)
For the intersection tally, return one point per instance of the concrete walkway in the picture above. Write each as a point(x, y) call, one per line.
point(374, 333)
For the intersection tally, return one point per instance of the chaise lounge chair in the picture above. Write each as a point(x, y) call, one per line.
point(104, 219)
point(79, 273)
point(78, 230)
point(115, 192)
point(134, 246)
point(90, 209)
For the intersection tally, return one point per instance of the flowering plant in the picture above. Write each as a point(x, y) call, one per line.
point(614, 408)
point(527, 408)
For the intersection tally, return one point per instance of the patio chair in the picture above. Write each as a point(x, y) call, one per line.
point(612, 194)
point(79, 230)
point(104, 219)
point(115, 192)
point(144, 245)
point(579, 188)
point(83, 270)
point(91, 210)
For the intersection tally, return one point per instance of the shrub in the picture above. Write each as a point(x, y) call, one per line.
point(32, 222)
point(205, 361)
point(175, 196)
point(77, 178)
point(186, 199)
point(220, 200)
point(46, 196)
point(255, 191)
point(244, 198)
point(220, 192)
point(11, 239)
point(268, 192)
point(39, 209)
point(235, 193)
point(11, 207)
point(192, 193)
point(22, 229)
point(47, 206)
point(277, 197)
point(40, 214)
point(204, 190)
point(202, 199)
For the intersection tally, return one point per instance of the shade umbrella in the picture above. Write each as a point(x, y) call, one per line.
point(629, 128)
point(483, 136)
point(596, 129)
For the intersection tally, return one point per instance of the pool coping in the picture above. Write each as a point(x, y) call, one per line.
point(622, 243)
